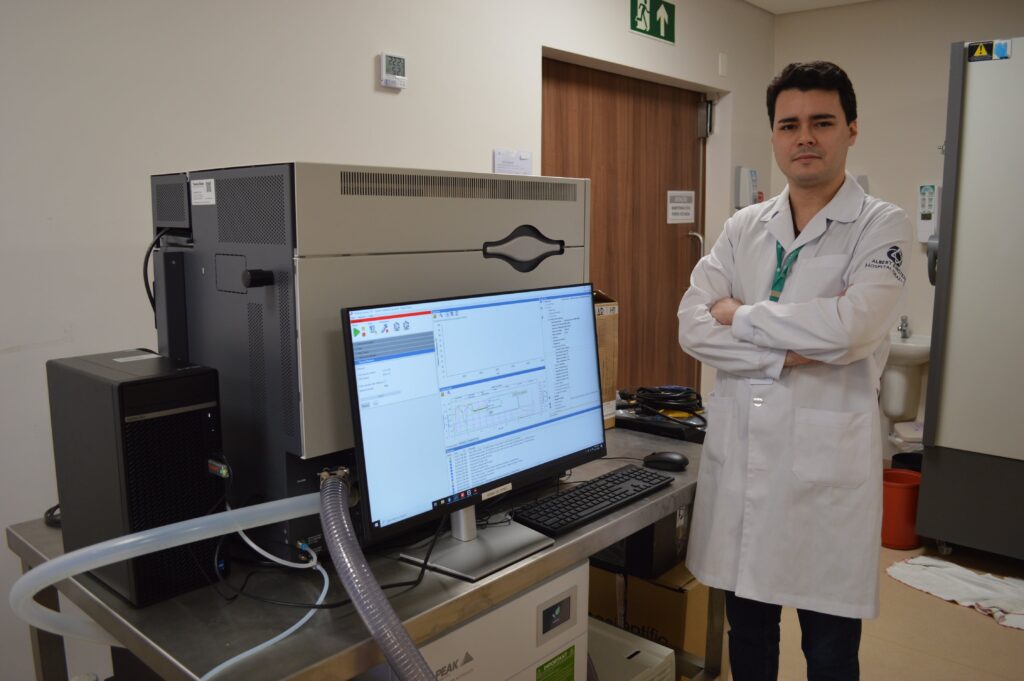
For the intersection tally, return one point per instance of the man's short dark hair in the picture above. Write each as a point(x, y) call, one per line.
point(814, 75)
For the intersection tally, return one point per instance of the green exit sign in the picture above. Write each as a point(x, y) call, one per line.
point(655, 18)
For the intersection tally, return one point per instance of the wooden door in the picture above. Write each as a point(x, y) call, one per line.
point(635, 140)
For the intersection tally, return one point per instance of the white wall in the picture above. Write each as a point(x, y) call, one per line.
point(98, 96)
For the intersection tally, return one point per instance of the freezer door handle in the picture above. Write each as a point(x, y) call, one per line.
point(933, 258)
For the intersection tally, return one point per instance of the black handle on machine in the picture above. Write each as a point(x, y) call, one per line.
point(257, 278)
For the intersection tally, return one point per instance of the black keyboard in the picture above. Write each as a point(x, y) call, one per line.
point(560, 513)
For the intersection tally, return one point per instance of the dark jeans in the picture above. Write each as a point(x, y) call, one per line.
point(829, 642)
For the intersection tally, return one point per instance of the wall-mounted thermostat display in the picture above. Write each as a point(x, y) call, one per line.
point(392, 71)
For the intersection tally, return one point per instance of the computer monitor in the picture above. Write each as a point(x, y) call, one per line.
point(458, 400)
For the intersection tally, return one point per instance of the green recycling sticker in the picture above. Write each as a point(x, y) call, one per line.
point(559, 668)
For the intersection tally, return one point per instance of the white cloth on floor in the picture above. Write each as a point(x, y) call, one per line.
point(1000, 597)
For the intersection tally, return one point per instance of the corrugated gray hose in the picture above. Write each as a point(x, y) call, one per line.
point(370, 602)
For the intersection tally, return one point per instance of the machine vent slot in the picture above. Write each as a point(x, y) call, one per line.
point(166, 481)
point(289, 375)
point(252, 210)
point(169, 197)
point(257, 363)
point(170, 203)
point(451, 187)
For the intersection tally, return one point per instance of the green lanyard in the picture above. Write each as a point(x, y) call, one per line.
point(782, 270)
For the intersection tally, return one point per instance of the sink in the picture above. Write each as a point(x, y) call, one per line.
point(908, 352)
point(901, 377)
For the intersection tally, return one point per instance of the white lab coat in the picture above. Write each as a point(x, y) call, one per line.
point(789, 493)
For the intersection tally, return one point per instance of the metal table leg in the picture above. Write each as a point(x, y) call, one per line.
point(709, 668)
point(716, 636)
point(47, 649)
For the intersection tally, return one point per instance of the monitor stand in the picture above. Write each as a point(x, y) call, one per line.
point(465, 554)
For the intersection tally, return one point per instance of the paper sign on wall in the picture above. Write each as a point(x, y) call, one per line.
point(681, 207)
point(513, 162)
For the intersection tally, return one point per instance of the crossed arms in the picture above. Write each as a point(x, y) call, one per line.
point(723, 312)
point(760, 339)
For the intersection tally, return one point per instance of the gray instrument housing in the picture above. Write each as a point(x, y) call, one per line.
point(332, 237)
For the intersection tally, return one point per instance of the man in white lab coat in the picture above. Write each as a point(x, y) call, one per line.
point(793, 307)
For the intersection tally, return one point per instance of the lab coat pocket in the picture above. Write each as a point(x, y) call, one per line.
point(832, 447)
point(719, 430)
point(821, 277)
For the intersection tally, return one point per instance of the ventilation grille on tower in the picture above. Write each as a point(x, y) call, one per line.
point(170, 202)
point(450, 187)
point(252, 210)
point(166, 480)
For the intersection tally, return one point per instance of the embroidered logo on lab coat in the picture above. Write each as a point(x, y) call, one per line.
point(893, 263)
point(896, 255)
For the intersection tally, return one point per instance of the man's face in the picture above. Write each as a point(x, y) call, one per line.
point(810, 137)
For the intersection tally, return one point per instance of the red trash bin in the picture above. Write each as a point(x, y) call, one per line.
point(899, 508)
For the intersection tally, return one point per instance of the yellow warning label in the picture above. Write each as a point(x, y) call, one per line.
point(980, 52)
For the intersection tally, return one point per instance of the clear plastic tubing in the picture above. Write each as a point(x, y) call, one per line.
point(370, 602)
point(131, 546)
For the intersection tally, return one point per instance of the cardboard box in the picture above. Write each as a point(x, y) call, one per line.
point(607, 596)
point(607, 314)
point(671, 610)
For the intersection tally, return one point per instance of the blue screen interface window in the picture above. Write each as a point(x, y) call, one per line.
point(456, 394)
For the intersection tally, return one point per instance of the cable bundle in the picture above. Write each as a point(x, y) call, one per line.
point(672, 397)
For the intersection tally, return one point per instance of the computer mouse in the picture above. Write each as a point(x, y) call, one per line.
point(666, 461)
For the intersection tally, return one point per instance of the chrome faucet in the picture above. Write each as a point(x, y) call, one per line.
point(904, 327)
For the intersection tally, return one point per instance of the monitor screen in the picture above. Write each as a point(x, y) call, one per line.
point(458, 400)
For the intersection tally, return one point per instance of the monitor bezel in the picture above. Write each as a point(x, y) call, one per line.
point(373, 535)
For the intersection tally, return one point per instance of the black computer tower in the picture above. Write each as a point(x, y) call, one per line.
point(133, 433)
